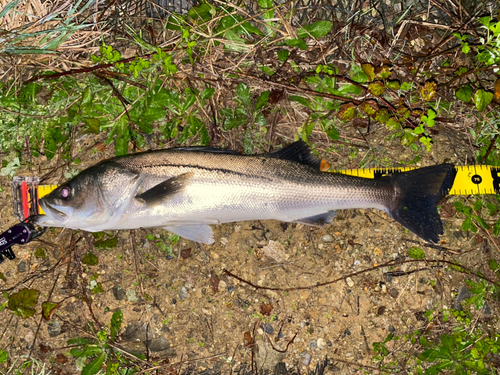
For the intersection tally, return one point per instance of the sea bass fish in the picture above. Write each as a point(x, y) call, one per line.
point(185, 190)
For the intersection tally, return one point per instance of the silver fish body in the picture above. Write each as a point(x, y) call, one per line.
point(185, 190)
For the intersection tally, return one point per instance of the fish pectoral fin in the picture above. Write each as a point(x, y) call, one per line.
point(198, 233)
point(321, 219)
point(165, 189)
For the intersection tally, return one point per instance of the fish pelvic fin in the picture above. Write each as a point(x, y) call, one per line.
point(318, 220)
point(194, 232)
point(159, 193)
point(417, 194)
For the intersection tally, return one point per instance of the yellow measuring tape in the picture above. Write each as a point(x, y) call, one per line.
point(471, 179)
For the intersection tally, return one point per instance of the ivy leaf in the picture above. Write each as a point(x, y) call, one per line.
point(296, 43)
point(393, 85)
point(369, 70)
point(23, 302)
point(107, 244)
point(347, 112)
point(48, 308)
point(377, 88)
point(464, 93)
point(90, 259)
point(428, 91)
point(317, 29)
point(482, 99)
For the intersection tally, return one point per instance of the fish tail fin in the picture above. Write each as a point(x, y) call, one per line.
point(417, 195)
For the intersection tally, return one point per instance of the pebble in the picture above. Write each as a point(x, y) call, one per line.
point(118, 292)
point(312, 344)
point(183, 294)
point(327, 238)
point(54, 328)
point(131, 295)
point(159, 344)
point(268, 328)
point(22, 266)
point(230, 288)
point(393, 292)
point(222, 285)
point(306, 359)
point(321, 343)
point(349, 282)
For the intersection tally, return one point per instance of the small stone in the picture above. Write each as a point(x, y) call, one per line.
point(131, 295)
point(281, 335)
point(306, 360)
point(327, 238)
point(170, 257)
point(159, 344)
point(22, 266)
point(183, 294)
point(393, 292)
point(222, 285)
point(230, 288)
point(135, 331)
point(268, 328)
point(321, 343)
point(119, 292)
point(312, 344)
point(347, 332)
point(54, 328)
point(349, 282)
point(463, 294)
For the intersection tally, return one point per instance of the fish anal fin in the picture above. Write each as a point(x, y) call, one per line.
point(319, 220)
point(165, 189)
point(299, 152)
point(195, 232)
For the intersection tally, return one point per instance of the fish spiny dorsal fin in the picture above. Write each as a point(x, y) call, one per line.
point(299, 152)
point(210, 149)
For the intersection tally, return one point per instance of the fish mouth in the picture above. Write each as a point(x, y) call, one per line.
point(55, 215)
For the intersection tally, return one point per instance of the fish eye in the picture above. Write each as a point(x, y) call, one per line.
point(65, 192)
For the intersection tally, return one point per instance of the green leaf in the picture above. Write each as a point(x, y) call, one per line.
point(207, 93)
point(79, 341)
point(481, 222)
point(416, 253)
point(393, 85)
point(107, 244)
point(93, 124)
point(262, 100)
point(464, 93)
point(48, 309)
point(496, 228)
point(283, 55)
point(243, 93)
point(4, 356)
point(90, 259)
point(299, 99)
point(122, 136)
point(23, 302)
point(116, 323)
point(93, 367)
point(296, 43)
point(482, 99)
point(358, 75)
point(317, 29)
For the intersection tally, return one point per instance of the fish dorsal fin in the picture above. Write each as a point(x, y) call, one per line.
point(212, 150)
point(157, 194)
point(299, 152)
